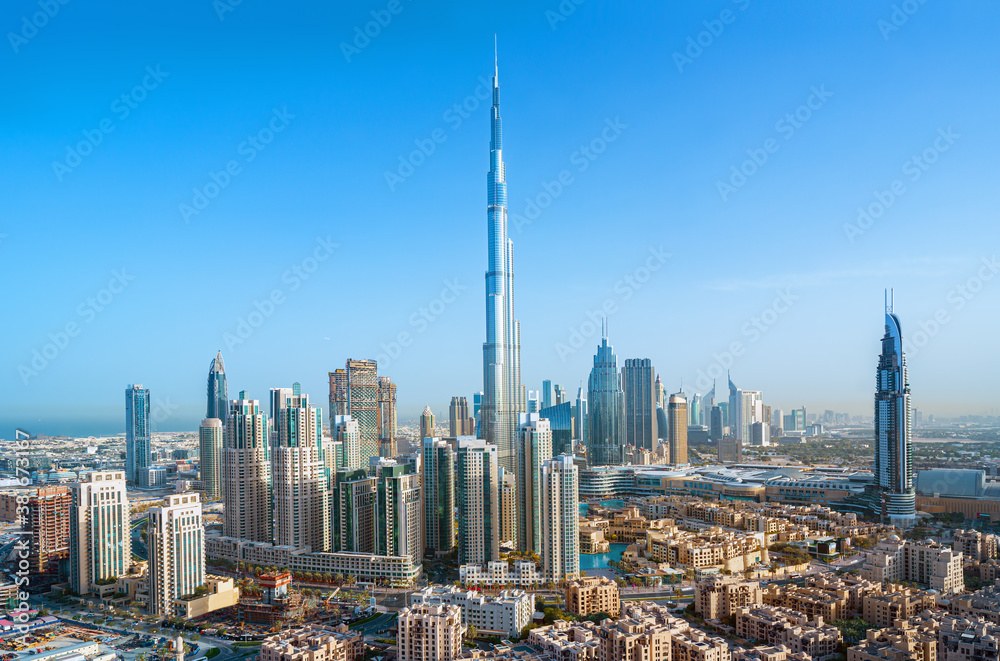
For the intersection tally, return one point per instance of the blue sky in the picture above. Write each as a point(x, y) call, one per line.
point(123, 229)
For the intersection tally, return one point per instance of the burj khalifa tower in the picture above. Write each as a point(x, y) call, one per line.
point(503, 396)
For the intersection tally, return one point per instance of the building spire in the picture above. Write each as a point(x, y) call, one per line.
point(496, 68)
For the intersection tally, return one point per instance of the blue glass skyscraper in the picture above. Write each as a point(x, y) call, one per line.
point(218, 395)
point(893, 454)
point(138, 449)
point(606, 415)
point(503, 397)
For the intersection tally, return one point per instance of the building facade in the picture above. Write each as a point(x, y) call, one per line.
point(138, 448)
point(210, 441)
point(176, 546)
point(477, 469)
point(534, 448)
point(677, 415)
point(429, 633)
point(560, 519)
point(893, 453)
point(100, 541)
point(246, 472)
point(606, 409)
point(638, 387)
point(439, 495)
point(218, 392)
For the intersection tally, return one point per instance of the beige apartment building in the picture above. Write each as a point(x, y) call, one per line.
point(781, 626)
point(902, 642)
point(719, 597)
point(429, 633)
point(314, 643)
point(882, 610)
point(593, 594)
point(975, 545)
point(927, 563)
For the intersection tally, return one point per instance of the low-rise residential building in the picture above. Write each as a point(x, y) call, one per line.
point(975, 545)
point(222, 592)
point(712, 548)
point(927, 563)
point(524, 574)
point(398, 569)
point(429, 633)
point(593, 594)
point(968, 639)
point(882, 610)
point(719, 597)
point(984, 603)
point(811, 602)
point(782, 626)
point(902, 642)
point(592, 539)
point(505, 614)
point(314, 643)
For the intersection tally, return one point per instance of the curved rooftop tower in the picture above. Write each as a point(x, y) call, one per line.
point(893, 453)
point(218, 395)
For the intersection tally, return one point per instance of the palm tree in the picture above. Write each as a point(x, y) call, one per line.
point(338, 578)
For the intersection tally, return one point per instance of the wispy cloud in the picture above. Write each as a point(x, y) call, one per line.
point(929, 267)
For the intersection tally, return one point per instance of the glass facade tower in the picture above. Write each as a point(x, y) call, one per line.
point(503, 396)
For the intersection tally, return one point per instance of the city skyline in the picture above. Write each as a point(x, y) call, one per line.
point(818, 290)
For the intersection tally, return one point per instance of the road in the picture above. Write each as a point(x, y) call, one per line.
point(383, 621)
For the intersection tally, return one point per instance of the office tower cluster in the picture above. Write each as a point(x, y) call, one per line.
point(358, 391)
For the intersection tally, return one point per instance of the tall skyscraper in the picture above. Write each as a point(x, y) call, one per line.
point(246, 472)
point(355, 512)
point(694, 410)
point(560, 519)
point(546, 394)
point(210, 437)
point(733, 420)
point(715, 425)
point(400, 510)
point(606, 409)
point(477, 469)
point(534, 448)
point(561, 419)
point(358, 392)
point(503, 396)
point(638, 384)
point(218, 393)
point(508, 506)
point(386, 417)
point(277, 399)
point(348, 433)
point(427, 423)
point(176, 542)
point(439, 496)
point(47, 522)
point(660, 395)
point(477, 413)
point(460, 422)
point(299, 480)
point(100, 541)
point(579, 419)
point(778, 421)
point(893, 453)
point(138, 447)
point(560, 395)
point(677, 416)
point(750, 410)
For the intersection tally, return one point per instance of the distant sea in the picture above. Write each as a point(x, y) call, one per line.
point(82, 427)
